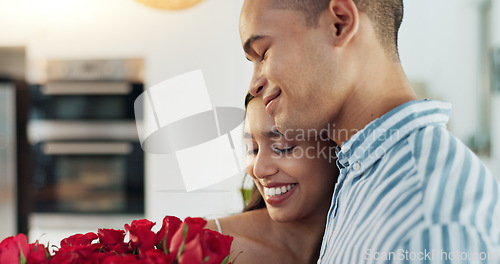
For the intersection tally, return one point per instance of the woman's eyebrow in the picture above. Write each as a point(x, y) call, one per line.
point(269, 134)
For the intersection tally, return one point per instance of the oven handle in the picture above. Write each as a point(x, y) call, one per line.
point(86, 88)
point(51, 130)
point(86, 148)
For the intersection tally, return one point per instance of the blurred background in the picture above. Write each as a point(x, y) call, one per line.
point(70, 71)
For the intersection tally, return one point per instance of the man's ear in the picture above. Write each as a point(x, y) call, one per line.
point(343, 16)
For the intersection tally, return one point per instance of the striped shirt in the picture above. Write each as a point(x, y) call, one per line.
point(411, 192)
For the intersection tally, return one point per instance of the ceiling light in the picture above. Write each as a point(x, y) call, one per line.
point(170, 4)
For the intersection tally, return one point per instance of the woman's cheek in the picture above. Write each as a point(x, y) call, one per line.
point(259, 187)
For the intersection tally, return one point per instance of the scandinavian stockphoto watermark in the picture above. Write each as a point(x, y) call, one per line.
point(311, 151)
point(176, 117)
point(327, 149)
point(430, 255)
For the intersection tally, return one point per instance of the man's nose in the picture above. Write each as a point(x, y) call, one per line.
point(257, 85)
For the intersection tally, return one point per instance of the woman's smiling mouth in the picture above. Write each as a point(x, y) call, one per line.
point(278, 194)
point(276, 191)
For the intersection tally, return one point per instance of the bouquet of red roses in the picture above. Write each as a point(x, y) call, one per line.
point(178, 242)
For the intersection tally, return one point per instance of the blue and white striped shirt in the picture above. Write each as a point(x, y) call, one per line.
point(409, 191)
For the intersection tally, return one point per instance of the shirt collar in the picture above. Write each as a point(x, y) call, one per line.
point(379, 136)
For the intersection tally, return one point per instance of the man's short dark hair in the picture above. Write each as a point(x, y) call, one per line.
point(386, 16)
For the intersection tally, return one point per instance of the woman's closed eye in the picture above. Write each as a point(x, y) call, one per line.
point(283, 150)
point(251, 148)
point(276, 149)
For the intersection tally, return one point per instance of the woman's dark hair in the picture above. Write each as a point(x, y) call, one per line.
point(255, 200)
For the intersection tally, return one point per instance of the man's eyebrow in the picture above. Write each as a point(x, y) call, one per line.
point(250, 41)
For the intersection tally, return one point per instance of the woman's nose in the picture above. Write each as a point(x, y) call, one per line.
point(264, 165)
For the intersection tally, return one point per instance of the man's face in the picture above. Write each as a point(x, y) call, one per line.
point(295, 72)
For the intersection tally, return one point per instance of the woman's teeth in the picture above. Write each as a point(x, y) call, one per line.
point(276, 191)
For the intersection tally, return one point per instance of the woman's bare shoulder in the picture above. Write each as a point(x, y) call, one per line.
point(252, 238)
point(239, 224)
point(249, 230)
point(211, 225)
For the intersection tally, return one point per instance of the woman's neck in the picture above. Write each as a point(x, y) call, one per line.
point(302, 236)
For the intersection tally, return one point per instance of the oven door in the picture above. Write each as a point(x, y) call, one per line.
point(84, 101)
point(88, 177)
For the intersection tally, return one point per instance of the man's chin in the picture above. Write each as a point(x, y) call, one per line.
point(284, 120)
point(288, 128)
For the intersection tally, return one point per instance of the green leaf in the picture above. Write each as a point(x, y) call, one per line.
point(234, 260)
point(163, 243)
point(182, 246)
point(226, 260)
point(246, 193)
point(22, 258)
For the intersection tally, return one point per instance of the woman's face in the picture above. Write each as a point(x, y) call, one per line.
point(295, 176)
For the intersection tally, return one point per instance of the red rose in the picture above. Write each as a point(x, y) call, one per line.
point(193, 252)
point(121, 248)
point(14, 249)
point(78, 240)
point(121, 259)
point(216, 246)
point(76, 249)
point(110, 236)
point(38, 253)
point(141, 236)
point(98, 257)
point(186, 232)
point(188, 242)
point(66, 258)
point(170, 225)
point(112, 240)
point(75, 254)
point(155, 256)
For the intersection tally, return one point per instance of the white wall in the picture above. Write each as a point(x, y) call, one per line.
point(439, 46)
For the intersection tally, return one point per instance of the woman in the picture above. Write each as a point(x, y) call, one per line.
point(294, 181)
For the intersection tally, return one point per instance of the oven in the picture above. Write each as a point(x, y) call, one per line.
point(87, 158)
point(88, 176)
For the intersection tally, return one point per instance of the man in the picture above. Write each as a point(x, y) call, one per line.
point(408, 190)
